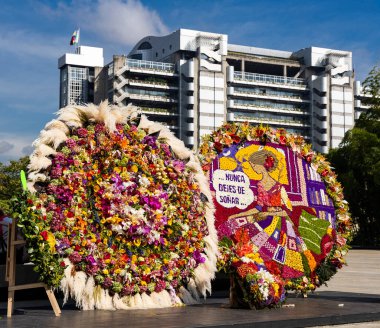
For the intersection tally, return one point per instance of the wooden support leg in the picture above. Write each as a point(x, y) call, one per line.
point(11, 302)
point(53, 301)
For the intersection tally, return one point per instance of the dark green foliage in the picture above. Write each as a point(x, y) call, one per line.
point(357, 163)
point(10, 183)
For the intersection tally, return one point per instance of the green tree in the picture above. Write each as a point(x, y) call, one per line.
point(10, 183)
point(357, 163)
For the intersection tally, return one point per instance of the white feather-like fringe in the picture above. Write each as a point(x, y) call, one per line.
point(39, 163)
point(44, 150)
point(88, 299)
point(52, 137)
point(55, 124)
point(81, 287)
point(35, 176)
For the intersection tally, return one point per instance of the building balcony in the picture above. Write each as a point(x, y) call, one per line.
point(149, 67)
point(189, 140)
point(321, 137)
point(271, 96)
point(190, 86)
point(270, 121)
point(147, 97)
point(158, 111)
point(262, 108)
point(190, 126)
point(269, 80)
point(151, 84)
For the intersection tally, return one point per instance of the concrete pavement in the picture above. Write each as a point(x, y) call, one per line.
point(353, 296)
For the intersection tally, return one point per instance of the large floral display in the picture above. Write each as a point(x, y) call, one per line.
point(280, 214)
point(118, 215)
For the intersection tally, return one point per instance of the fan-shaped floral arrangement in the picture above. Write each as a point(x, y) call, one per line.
point(282, 221)
point(118, 215)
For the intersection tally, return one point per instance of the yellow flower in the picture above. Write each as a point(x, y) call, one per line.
point(147, 270)
point(134, 168)
point(255, 257)
point(117, 271)
point(105, 271)
point(51, 241)
point(137, 242)
point(134, 258)
point(143, 283)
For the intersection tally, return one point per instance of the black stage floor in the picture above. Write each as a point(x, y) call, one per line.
point(322, 308)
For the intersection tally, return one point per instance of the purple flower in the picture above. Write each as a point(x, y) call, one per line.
point(179, 166)
point(82, 132)
point(153, 202)
point(75, 257)
point(71, 143)
point(160, 285)
point(99, 128)
point(143, 289)
point(150, 141)
point(127, 290)
point(56, 172)
point(59, 158)
point(90, 260)
point(166, 149)
point(92, 269)
point(198, 257)
point(107, 283)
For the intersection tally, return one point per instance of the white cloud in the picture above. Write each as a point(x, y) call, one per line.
point(19, 147)
point(5, 146)
point(122, 22)
point(125, 22)
point(21, 42)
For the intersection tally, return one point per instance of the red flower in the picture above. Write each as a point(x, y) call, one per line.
point(241, 236)
point(259, 132)
point(269, 162)
point(282, 140)
point(44, 234)
point(62, 264)
point(218, 146)
point(324, 172)
point(235, 138)
point(272, 268)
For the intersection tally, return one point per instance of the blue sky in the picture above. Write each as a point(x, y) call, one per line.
point(33, 34)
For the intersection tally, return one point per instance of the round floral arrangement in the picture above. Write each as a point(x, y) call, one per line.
point(280, 214)
point(119, 215)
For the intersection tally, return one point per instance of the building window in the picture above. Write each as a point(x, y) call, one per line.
point(163, 51)
point(170, 47)
point(78, 85)
point(144, 46)
point(156, 54)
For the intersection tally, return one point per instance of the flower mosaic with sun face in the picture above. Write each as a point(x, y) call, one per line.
point(284, 199)
point(120, 207)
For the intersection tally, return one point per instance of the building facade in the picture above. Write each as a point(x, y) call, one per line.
point(77, 75)
point(194, 81)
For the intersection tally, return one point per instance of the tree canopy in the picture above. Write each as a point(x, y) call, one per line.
point(10, 183)
point(357, 163)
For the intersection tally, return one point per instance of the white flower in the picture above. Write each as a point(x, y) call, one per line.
point(117, 228)
point(144, 181)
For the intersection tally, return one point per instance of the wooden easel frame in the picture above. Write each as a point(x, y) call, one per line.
point(10, 274)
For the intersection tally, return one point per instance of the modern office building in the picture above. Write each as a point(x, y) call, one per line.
point(77, 75)
point(194, 81)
